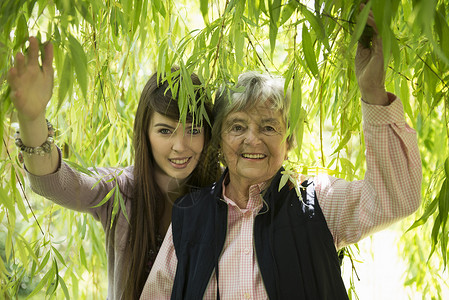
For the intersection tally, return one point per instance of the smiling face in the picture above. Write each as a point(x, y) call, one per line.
point(253, 144)
point(176, 149)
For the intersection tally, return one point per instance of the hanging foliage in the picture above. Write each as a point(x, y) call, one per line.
point(104, 51)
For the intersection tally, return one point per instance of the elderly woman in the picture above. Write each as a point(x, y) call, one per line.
point(245, 238)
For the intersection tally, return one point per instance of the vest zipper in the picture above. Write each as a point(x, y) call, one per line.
point(222, 249)
point(255, 253)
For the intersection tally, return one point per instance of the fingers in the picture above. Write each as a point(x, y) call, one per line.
point(33, 52)
point(19, 63)
point(370, 37)
point(12, 78)
point(47, 57)
point(370, 21)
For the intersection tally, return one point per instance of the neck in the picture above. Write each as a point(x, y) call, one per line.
point(172, 188)
point(237, 192)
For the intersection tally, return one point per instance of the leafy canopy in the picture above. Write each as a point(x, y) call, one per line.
point(106, 50)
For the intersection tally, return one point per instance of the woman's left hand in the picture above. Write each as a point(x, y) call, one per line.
point(369, 67)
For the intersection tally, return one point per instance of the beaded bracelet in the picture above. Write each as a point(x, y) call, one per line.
point(43, 149)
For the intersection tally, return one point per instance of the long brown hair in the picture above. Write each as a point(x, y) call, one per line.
point(148, 200)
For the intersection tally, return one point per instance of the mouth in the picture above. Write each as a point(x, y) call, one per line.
point(179, 163)
point(253, 155)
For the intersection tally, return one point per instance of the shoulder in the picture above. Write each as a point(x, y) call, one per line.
point(119, 174)
point(196, 197)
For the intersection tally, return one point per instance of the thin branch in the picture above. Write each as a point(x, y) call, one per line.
point(219, 41)
point(257, 54)
point(429, 67)
point(23, 190)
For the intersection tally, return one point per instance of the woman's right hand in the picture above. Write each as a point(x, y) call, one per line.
point(31, 89)
point(32, 85)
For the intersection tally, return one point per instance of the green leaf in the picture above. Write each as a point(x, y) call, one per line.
point(115, 209)
point(275, 11)
point(19, 200)
point(65, 80)
point(6, 200)
point(435, 234)
point(54, 284)
point(159, 7)
point(360, 25)
point(287, 11)
point(343, 142)
point(58, 255)
point(2, 266)
point(84, 10)
point(64, 287)
point(316, 25)
point(83, 168)
point(136, 16)
point(239, 39)
point(204, 7)
point(300, 131)
point(295, 106)
point(119, 198)
point(283, 181)
point(83, 226)
point(21, 33)
point(50, 274)
point(347, 165)
point(405, 98)
point(430, 209)
point(26, 244)
point(443, 207)
point(43, 262)
point(446, 167)
point(106, 198)
point(309, 52)
point(83, 257)
point(442, 28)
point(80, 63)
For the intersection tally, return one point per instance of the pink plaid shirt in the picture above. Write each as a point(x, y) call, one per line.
point(391, 190)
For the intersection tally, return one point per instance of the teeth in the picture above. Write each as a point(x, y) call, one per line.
point(253, 156)
point(179, 161)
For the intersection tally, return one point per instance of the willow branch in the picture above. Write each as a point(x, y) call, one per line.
point(23, 189)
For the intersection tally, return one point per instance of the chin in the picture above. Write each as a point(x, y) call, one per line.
point(180, 176)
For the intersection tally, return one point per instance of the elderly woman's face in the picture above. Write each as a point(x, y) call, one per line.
point(254, 144)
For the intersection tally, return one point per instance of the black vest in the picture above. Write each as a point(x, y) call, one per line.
point(294, 247)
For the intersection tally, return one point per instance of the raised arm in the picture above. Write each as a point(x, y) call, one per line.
point(31, 89)
point(391, 188)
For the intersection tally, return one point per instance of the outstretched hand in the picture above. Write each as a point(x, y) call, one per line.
point(32, 85)
point(369, 68)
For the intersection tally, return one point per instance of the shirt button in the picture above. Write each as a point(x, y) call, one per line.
point(246, 251)
point(246, 295)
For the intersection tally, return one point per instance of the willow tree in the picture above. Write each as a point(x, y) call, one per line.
point(106, 50)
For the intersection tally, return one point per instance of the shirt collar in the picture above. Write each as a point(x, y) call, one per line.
point(255, 199)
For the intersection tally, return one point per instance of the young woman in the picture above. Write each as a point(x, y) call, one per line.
point(170, 159)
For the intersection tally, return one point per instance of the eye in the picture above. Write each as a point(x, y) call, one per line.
point(164, 131)
point(237, 128)
point(194, 131)
point(268, 128)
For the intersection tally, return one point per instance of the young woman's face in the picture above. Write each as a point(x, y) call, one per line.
point(176, 148)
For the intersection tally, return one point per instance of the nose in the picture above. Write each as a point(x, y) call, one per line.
point(179, 142)
point(252, 137)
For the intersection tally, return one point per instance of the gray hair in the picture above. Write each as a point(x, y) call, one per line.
point(252, 89)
